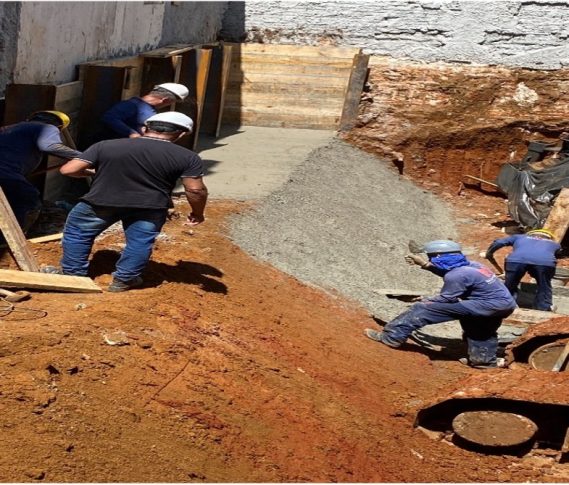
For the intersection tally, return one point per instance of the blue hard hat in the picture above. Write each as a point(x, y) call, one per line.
point(442, 246)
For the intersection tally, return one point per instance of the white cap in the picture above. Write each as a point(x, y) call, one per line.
point(180, 120)
point(179, 90)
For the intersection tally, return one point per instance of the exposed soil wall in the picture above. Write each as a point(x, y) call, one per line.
point(438, 122)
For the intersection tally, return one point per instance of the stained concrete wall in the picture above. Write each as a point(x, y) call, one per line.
point(523, 33)
point(44, 41)
point(9, 20)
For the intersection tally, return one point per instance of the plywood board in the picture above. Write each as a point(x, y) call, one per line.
point(41, 281)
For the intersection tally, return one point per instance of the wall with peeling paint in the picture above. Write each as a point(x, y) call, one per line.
point(42, 42)
point(9, 20)
point(522, 33)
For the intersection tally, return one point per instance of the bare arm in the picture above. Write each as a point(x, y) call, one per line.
point(77, 168)
point(196, 193)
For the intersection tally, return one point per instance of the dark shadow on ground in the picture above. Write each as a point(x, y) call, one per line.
point(187, 272)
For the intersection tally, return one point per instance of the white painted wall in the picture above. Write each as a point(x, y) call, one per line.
point(523, 33)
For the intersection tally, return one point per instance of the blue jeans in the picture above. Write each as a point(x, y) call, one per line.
point(542, 275)
point(85, 222)
point(480, 332)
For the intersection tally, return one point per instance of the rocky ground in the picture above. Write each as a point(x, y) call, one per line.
point(227, 367)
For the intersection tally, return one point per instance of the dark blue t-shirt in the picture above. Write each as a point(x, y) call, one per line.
point(22, 145)
point(477, 288)
point(128, 117)
point(528, 249)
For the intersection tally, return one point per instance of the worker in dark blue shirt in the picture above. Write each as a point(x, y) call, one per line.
point(535, 253)
point(22, 146)
point(126, 119)
point(471, 294)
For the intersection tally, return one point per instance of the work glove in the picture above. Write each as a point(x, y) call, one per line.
point(415, 259)
point(484, 255)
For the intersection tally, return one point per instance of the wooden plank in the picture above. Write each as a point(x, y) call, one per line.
point(313, 89)
point(333, 104)
point(281, 120)
point(171, 50)
point(49, 238)
point(194, 75)
point(354, 92)
point(237, 77)
point(298, 69)
point(15, 237)
point(293, 60)
point(216, 90)
point(558, 219)
point(44, 281)
point(305, 50)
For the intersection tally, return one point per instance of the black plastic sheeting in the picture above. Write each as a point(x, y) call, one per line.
point(531, 192)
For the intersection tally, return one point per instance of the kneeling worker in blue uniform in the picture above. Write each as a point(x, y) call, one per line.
point(536, 253)
point(471, 294)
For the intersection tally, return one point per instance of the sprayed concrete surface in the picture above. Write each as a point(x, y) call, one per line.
point(250, 162)
point(342, 222)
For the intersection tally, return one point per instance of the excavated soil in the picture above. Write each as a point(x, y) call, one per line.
point(225, 369)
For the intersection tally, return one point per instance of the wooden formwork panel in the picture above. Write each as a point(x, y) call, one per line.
point(263, 79)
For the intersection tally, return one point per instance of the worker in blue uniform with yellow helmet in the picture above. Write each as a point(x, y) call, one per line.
point(535, 253)
point(22, 146)
point(471, 294)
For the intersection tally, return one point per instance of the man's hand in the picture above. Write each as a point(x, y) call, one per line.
point(194, 220)
point(418, 260)
point(134, 135)
point(483, 255)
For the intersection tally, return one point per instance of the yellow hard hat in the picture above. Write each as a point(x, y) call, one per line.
point(41, 116)
point(541, 232)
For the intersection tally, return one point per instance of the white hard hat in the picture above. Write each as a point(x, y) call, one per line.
point(180, 120)
point(179, 90)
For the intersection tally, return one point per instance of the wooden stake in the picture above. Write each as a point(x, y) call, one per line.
point(15, 237)
point(47, 281)
point(558, 219)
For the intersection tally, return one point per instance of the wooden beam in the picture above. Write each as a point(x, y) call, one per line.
point(42, 239)
point(558, 219)
point(15, 237)
point(45, 281)
point(354, 90)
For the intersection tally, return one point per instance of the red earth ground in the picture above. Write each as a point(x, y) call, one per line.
point(231, 371)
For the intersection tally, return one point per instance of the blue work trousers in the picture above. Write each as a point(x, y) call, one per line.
point(85, 222)
point(479, 331)
point(542, 275)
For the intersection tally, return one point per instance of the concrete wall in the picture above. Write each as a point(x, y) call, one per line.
point(522, 33)
point(9, 20)
point(44, 41)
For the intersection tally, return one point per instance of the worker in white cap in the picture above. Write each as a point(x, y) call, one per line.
point(126, 119)
point(133, 179)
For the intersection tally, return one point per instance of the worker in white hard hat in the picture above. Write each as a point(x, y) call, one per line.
point(22, 146)
point(126, 119)
point(133, 179)
point(535, 253)
point(471, 294)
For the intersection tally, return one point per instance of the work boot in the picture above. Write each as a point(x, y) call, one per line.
point(500, 363)
point(118, 285)
point(379, 337)
point(51, 270)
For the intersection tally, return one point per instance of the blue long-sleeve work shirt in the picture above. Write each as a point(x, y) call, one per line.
point(477, 288)
point(22, 146)
point(528, 249)
point(128, 117)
